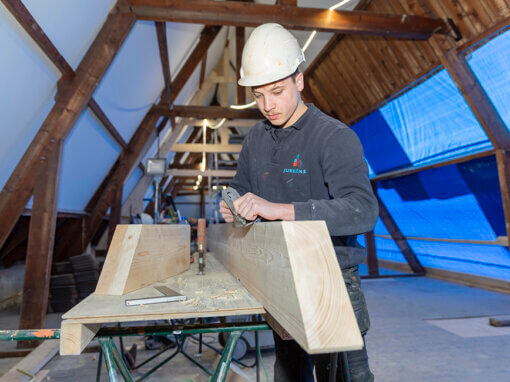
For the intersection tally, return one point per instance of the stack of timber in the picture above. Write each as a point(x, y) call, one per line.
point(86, 273)
point(72, 281)
point(63, 292)
point(292, 270)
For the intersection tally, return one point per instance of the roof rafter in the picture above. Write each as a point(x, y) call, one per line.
point(30, 25)
point(72, 97)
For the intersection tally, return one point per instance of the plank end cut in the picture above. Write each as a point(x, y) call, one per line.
point(292, 270)
point(142, 254)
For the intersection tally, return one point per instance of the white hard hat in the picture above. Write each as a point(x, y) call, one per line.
point(270, 54)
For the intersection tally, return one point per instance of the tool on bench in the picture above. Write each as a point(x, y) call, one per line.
point(202, 245)
point(229, 196)
point(169, 296)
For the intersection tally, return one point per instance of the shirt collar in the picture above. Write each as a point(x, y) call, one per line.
point(301, 122)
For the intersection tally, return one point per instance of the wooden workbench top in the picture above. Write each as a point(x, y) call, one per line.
point(217, 293)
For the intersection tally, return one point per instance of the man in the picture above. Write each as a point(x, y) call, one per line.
point(300, 164)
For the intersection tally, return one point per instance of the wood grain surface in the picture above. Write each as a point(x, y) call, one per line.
point(140, 255)
point(291, 268)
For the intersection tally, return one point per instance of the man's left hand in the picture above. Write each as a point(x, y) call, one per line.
point(251, 206)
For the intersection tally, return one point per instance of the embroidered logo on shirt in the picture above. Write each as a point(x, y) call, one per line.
point(295, 163)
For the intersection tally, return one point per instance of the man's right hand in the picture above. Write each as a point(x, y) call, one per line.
point(225, 212)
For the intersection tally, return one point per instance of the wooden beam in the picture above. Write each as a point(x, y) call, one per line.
point(165, 63)
point(242, 14)
point(412, 170)
point(125, 162)
point(115, 213)
point(475, 96)
point(288, 2)
point(503, 160)
point(241, 90)
point(480, 104)
point(292, 270)
point(373, 267)
point(140, 255)
point(210, 112)
point(399, 238)
point(72, 98)
point(30, 25)
point(41, 240)
point(207, 36)
point(143, 136)
point(194, 173)
point(108, 125)
point(74, 336)
point(207, 148)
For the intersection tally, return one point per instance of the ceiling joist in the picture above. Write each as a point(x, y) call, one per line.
point(243, 14)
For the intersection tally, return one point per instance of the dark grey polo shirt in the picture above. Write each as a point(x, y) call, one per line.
point(318, 165)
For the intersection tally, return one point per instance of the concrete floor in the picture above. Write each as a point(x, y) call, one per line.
point(404, 343)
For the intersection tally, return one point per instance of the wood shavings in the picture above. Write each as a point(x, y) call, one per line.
point(193, 302)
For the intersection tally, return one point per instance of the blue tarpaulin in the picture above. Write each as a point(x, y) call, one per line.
point(428, 124)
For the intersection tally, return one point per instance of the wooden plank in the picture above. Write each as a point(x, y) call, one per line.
point(165, 62)
point(141, 254)
point(242, 14)
point(399, 238)
point(195, 173)
point(41, 239)
point(71, 100)
point(292, 269)
point(210, 112)
point(74, 336)
point(207, 148)
point(33, 362)
point(217, 293)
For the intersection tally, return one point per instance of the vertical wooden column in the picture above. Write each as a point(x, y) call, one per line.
point(115, 213)
point(41, 240)
point(241, 91)
point(503, 159)
point(373, 265)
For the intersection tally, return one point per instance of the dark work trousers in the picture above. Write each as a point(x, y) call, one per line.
point(293, 364)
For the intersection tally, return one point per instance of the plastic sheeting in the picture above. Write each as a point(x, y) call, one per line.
point(491, 65)
point(431, 123)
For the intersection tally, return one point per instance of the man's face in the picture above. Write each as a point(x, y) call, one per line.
point(279, 100)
